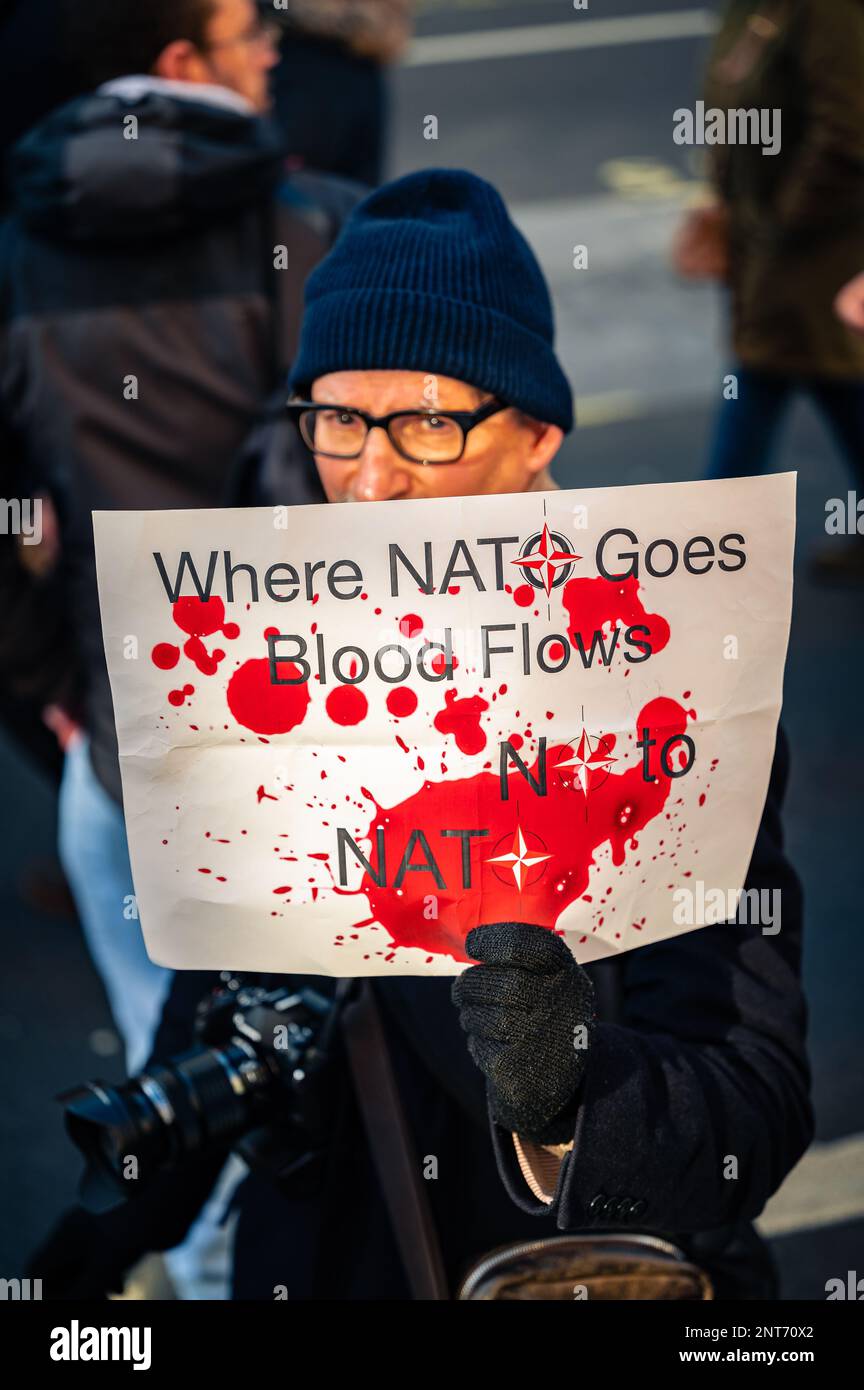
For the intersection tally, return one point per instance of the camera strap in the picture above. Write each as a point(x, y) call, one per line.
point(392, 1146)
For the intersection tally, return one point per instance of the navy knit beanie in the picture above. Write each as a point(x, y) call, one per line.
point(429, 274)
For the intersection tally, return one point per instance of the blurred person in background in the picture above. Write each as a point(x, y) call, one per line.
point(35, 73)
point(143, 323)
point(35, 76)
point(786, 232)
point(850, 303)
point(330, 89)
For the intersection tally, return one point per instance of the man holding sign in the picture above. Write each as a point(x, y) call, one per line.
point(466, 736)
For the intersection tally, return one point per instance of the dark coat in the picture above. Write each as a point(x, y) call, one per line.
point(148, 258)
point(796, 217)
point(699, 1054)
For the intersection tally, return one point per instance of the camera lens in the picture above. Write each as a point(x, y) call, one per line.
point(203, 1099)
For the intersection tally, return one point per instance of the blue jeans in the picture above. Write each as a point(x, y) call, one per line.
point(746, 428)
point(95, 858)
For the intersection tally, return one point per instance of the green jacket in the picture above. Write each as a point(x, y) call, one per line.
point(796, 216)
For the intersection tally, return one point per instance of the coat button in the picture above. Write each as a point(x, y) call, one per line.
point(619, 1208)
point(597, 1205)
point(637, 1208)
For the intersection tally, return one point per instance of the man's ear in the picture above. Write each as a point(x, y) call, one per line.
point(180, 61)
point(546, 443)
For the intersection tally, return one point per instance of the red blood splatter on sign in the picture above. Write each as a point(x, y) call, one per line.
point(565, 825)
point(178, 697)
point(401, 702)
point(410, 625)
point(591, 603)
point(523, 594)
point(199, 617)
point(265, 708)
point(461, 718)
point(555, 651)
point(194, 648)
point(439, 663)
point(347, 705)
point(165, 655)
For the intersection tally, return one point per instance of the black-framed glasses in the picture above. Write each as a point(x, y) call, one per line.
point(421, 436)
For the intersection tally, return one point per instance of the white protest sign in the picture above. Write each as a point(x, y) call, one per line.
point(349, 734)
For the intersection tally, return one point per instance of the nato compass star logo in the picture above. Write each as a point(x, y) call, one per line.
point(546, 559)
point(590, 764)
point(524, 860)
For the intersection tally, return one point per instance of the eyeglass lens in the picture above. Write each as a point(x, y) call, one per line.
point(424, 438)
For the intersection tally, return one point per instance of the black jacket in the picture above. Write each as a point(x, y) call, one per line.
point(699, 1055)
point(143, 323)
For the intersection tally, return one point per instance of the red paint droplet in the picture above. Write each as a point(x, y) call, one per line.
point(266, 708)
point(410, 625)
point(194, 648)
point(401, 702)
point(523, 594)
point(439, 662)
point(165, 655)
point(461, 718)
point(347, 705)
point(199, 617)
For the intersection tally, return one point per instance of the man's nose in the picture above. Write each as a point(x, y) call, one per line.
point(381, 473)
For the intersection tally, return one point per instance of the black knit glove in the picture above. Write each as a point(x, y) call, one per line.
point(521, 1010)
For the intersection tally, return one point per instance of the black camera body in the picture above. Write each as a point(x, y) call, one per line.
point(258, 1082)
